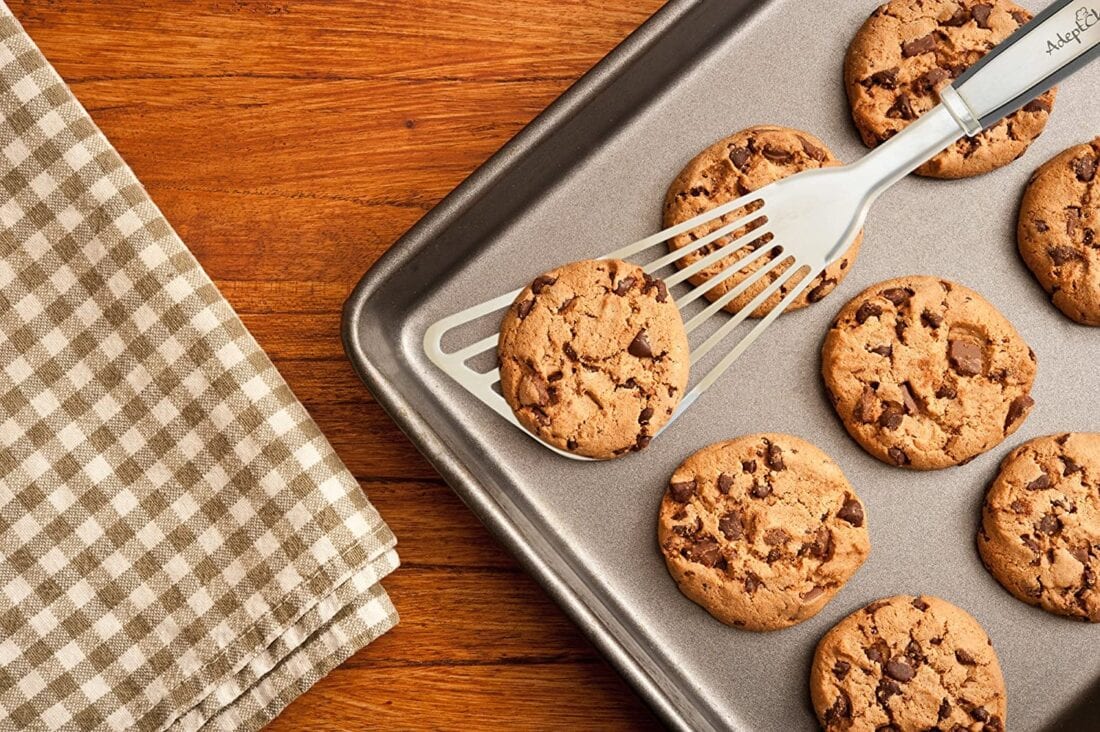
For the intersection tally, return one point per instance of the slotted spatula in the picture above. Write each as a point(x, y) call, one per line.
point(805, 222)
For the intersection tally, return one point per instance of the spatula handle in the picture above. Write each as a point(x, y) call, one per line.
point(1059, 41)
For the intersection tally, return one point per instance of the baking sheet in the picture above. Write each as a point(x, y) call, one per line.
point(588, 177)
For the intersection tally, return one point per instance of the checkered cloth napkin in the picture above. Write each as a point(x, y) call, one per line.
point(179, 546)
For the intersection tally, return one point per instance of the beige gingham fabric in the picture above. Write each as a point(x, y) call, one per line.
point(179, 545)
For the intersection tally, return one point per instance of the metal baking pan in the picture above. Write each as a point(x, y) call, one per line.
point(589, 175)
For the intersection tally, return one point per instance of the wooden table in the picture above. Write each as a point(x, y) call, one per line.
point(290, 143)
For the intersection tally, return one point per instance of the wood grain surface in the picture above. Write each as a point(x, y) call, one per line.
point(290, 143)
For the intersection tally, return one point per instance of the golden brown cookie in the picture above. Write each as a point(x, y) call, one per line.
point(1059, 231)
point(762, 531)
point(593, 357)
point(1040, 532)
point(728, 169)
point(910, 49)
point(925, 373)
point(908, 663)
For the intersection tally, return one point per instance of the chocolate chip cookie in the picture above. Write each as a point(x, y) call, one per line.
point(729, 169)
point(925, 373)
point(1040, 532)
point(593, 357)
point(908, 663)
point(1059, 231)
point(910, 49)
point(762, 531)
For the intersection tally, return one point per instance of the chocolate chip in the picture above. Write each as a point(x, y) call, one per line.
point(752, 582)
point(911, 406)
point(542, 394)
point(965, 658)
point(624, 285)
point(875, 607)
point(868, 310)
point(739, 156)
point(1037, 105)
point(541, 283)
point(930, 319)
point(852, 512)
point(1062, 254)
point(1069, 465)
point(523, 308)
point(841, 669)
point(818, 293)
point(731, 527)
point(980, 714)
point(777, 155)
point(1018, 408)
point(1041, 226)
point(887, 78)
point(897, 295)
point(929, 81)
point(645, 415)
point(567, 305)
point(886, 351)
point(841, 709)
point(681, 491)
point(652, 283)
point(920, 604)
point(706, 552)
point(761, 489)
point(1050, 524)
point(887, 688)
point(748, 466)
point(981, 15)
point(1085, 168)
point(918, 46)
point(640, 346)
point(898, 670)
point(901, 109)
point(775, 537)
point(725, 482)
point(812, 150)
point(822, 545)
point(898, 456)
point(812, 594)
point(946, 391)
point(961, 16)
point(570, 352)
point(1041, 483)
point(891, 415)
point(1073, 218)
point(866, 406)
point(945, 710)
point(1020, 16)
point(965, 357)
point(571, 444)
point(775, 458)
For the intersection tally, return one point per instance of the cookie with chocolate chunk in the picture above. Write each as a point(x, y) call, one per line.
point(908, 663)
point(1040, 531)
point(1058, 231)
point(762, 530)
point(908, 50)
point(728, 169)
point(593, 357)
point(925, 373)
